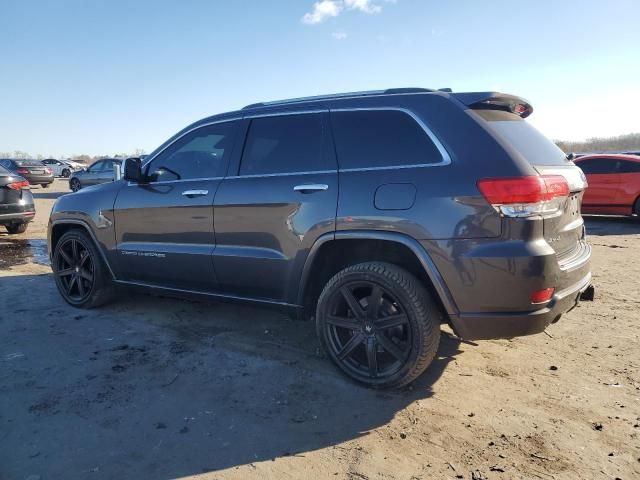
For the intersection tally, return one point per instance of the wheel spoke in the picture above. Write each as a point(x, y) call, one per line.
point(372, 358)
point(389, 346)
point(348, 347)
point(71, 283)
point(349, 323)
point(65, 272)
point(66, 257)
point(374, 303)
point(86, 274)
point(354, 305)
point(74, 250)
point(392, 321)
point(80, 286)
point(83, 258)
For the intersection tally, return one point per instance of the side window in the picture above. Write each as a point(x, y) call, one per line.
point(199, 154)
point(629, 167)
point(382, 138)
point(284, 144)
point(598, 165)
point(96, 167)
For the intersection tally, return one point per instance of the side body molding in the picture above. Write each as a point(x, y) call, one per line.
point(417, 249)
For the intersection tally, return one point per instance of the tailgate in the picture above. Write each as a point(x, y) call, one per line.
point(565, 231)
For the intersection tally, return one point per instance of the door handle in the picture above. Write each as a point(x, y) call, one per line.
point(311, 187)
point(195, 193)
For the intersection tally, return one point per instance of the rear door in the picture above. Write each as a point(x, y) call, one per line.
point(164, 227)
point(604, 185)
point(274, 205)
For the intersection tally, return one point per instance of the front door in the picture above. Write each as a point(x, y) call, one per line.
point(274, 205)
point(604, 184)
point(164, 226)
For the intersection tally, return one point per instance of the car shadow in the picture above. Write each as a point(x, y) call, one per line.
point(48, 195)
point(600, 225)
point(172, 388)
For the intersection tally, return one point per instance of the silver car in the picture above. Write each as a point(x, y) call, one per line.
point(102, 171)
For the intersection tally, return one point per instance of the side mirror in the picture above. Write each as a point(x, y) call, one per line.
point(133, 170)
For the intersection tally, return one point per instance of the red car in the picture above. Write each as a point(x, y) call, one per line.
point(614, 184)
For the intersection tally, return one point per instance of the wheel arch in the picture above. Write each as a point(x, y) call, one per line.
point(334, 251)
point(60, 227)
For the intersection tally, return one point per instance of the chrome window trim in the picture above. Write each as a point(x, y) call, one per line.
point(446, 158)
point(283, 174)
point(163, 182)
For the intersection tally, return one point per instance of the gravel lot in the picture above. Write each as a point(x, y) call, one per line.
point(160, 388)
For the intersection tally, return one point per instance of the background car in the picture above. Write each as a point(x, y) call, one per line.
point(59, 167)
point(99, 172)
point(614, 184)
point(16, 202)
point(32, 170)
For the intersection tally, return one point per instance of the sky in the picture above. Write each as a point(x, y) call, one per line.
point(107, 76)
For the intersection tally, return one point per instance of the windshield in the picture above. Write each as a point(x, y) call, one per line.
point(523, 137)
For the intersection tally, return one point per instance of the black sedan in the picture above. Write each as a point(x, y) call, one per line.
point(16, 202)
point(32, 170)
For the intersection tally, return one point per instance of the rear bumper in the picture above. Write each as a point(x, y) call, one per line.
point(39, 179)
point(483, 326)
point(17, 217)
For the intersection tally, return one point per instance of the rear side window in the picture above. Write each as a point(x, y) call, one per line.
point(381, 138)
point(523, 137)
point(598, 165)
point(199, 154)
point(629, 167)
point(284, 144)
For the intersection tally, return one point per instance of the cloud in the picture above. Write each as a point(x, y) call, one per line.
point(339, 35)
point(325, 9)
point(322, 10)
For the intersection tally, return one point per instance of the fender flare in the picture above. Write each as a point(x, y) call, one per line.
point(87, 228)
point(421, 254)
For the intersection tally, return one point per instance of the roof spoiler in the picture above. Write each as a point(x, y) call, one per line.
point(495, 101)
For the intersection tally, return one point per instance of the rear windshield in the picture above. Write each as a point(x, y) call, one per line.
point(4, 170)
point(524, 138)
point(28, 163)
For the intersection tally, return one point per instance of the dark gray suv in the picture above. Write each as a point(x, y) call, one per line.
point(381, 214)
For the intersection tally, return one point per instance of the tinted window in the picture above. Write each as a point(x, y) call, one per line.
point(629, 167)
point(199, 154)
point(97, 167)
point(3, 170)
point(284, 144)
point(367, 139)
point(28, 163)
point(598, 165)
point(523, 137)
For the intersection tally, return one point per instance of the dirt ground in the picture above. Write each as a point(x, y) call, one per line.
point(160, 388)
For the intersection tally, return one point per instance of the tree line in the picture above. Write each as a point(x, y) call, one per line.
point(82, 158)
point(620, 143)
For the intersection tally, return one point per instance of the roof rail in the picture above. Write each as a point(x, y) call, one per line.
point(388, 91)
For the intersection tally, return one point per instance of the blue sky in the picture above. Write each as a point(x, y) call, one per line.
point(107, 76)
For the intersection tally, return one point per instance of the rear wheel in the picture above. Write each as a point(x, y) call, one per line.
point(636, 207)
point(16, 228)
point(74, 185)
point(378, 324)
point(45, 185)
point(79, 272)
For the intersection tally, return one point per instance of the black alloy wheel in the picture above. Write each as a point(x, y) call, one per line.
point(75, 269)
point(378, 324)
point(74, 184)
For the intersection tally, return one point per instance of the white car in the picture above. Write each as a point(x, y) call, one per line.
point(61, 168)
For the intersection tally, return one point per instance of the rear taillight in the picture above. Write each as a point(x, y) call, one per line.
point(48, 170)
point(542, 296)
point(18, 185)
point(529, 196)
point(22, 170)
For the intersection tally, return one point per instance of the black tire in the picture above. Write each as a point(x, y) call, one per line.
point(403, 331)
point(66, 173)
point(636, 207)
point(79, 271)
point(45, 185)
point(74, 185)
point(16, 228)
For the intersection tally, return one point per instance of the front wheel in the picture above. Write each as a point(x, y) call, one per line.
point(80, 274)
point(378, 324)
point(74, 185)
point(16, 228)
point(66, 173)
